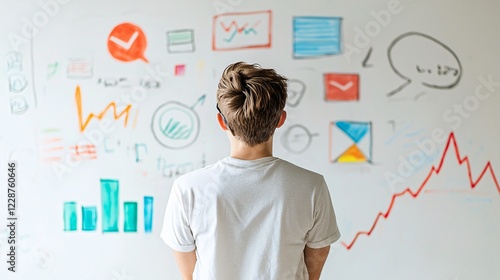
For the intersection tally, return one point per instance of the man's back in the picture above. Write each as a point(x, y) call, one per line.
point(250, 219)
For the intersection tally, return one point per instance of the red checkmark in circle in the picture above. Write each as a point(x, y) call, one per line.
point(127, 42)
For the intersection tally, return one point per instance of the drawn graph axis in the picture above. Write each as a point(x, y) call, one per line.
point(434, 171)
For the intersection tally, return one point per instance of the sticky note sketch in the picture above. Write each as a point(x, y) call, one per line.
point(316, 36)
point(350, 142)
point(341, 87)
point(180, 41)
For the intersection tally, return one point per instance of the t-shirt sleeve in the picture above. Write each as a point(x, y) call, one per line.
point(324, 230)
point(176, 232)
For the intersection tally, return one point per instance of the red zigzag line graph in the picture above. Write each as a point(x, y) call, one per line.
point(434, 170)
point(236, 25)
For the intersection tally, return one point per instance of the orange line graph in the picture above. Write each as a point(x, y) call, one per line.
point(434, 171)
point(116, 115)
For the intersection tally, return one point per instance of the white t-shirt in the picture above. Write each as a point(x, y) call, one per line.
point(249, 219)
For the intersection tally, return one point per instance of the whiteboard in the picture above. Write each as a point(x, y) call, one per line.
point(104, 103)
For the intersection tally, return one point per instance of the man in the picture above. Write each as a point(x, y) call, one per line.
point(250, 215)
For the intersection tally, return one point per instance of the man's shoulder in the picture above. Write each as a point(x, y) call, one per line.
point(301, 176)
point(293, 168)
point(196, 175)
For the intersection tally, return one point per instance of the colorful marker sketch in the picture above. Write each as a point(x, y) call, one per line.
point(51, 148)
point(350, 142)
point(365, 63)
point(137, 148)
point(341, 87)
point(150, 83)
point(83, 151)
point(148, 213)
point(80, 68)
point(175, 125)
point(14, 61)
point(169, 169)
point(417, 57)
point(89, 218)
point(17, 82)
point(52, 69)
point(233, 31)
point(433, 172)
point(18, 105)
point(110, 205)
point(130, 216)
point(114, 82)
point(127, 42)
point(110, 215)
point(297, 139)
point(296, 90)
point(69, 216)
point(316, 36)
point(83, 124)
point(180, 70)
point(180, 41)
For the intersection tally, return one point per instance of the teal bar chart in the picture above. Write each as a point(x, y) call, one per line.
point(110, 212)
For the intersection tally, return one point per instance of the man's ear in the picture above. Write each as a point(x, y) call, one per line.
point(282, 119)
point(221, 122)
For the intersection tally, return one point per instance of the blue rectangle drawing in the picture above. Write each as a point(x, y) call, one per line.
point(69, 214)
point(89, 218)
point(148, 214)
point(110, 205)
point(316, 36)
point(130, 219)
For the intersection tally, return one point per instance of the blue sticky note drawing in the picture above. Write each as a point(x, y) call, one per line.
point(89, 218)
point(316, 36)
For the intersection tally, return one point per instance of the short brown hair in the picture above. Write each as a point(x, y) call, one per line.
point(251, 100)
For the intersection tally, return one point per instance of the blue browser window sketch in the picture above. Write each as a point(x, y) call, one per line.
point(350, 142)
point(316, 36)
point(175, 125)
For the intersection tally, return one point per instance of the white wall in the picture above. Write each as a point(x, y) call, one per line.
point(448, 231)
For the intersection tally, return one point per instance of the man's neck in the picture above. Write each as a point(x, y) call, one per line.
point(240, 150)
